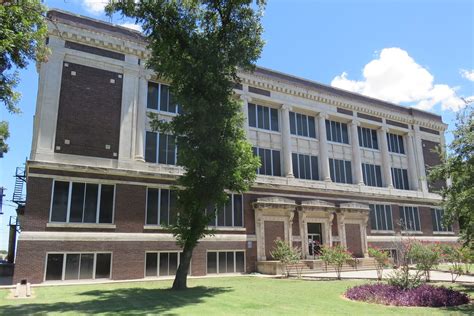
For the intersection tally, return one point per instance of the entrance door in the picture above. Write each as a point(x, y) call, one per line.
point(315, 238)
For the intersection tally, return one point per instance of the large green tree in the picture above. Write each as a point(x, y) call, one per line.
point(198, 46)
point(22, 39)
point(458, 168)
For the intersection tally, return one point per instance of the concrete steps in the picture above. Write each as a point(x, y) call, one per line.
point(317, 266)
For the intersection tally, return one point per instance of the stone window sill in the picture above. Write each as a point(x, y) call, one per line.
point(409, 232)
point(443, 233)
point(382, 232)
point(220, 228)
point(81, 225)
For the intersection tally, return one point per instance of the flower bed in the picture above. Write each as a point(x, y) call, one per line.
point(424, 295)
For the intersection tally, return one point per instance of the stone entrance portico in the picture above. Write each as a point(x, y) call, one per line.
point(274, 220)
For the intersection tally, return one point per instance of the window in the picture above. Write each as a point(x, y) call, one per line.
point(78, 266)
point(372, 175)
point(75, 202)
point(410, 218)
point(302, 125)
point(381, 217)
point(229, 215)
point(337, 132)
point(340, 170)
point(305, 166)
point(160, 98)
point(263, 117)
point(400, 178)
point(270, 161)
point(437, 219)
point(162, 263)
point(160, 148)
point(395, 143)
point(161, 207)
point(367, 137)
point(225, 262)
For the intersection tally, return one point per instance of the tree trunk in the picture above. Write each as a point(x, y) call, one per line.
point(181, 278)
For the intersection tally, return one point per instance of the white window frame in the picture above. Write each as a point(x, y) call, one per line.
point(270, 130)
point(310, 166)
point(216, 222)
point(329, 137)
point(385, 208)
point(306, 116)
point(158, 263)
point(159, 205)
point(68, 211)
point(366, 174)
point(439, 223)
point(361, 138)
point(405, 228)
point(157, 151)
point(63, 272)
point(235, 261)
point(345, 170)
point(399, 138)
point(271, 161)
point(159, 100)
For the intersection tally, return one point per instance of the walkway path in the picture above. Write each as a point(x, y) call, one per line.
point(372, 274)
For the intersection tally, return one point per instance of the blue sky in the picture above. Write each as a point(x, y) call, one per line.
point(416, 53)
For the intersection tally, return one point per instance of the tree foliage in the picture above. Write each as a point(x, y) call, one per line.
point(458, 168)
point(198, 46)
point(22, 39)
point(287, 255)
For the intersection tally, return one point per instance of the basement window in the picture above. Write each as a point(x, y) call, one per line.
point(78, 266)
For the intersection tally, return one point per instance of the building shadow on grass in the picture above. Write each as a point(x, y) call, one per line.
point(126, 301)
point(466, 309)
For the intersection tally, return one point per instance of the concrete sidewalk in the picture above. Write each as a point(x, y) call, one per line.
point(372, 274)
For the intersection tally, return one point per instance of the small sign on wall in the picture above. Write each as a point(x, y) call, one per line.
point(249, 244)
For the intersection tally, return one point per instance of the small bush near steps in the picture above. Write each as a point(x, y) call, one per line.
point(423, 295)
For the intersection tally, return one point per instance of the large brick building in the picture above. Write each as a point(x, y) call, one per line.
point(337, 168)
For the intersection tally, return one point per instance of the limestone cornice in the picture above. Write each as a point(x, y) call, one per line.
point(354, 206)
point(310, 205)
point(275, 202)
point(264, 82)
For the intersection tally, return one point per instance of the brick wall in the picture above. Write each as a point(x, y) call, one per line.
point(431, 159)
point(38, 203)
point(353, 239)
point(273, 231)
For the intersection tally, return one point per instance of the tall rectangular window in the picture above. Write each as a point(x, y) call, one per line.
point(337, 132)
point(161, 148)
point(410, 218)
point(340, 170)
point(381, 217)
point(367, 137)
point(229, 215)
point(263, 117)
point(395, 143)
point(270, 161)
point(305, 166)
point(78, 266)
point(162, 263)
point(400, 178)
point(160, 98)
point(76, 202)
point(302, 125)
point(438, 221)
point(225, 262)
point(161, 207)
point(372, 175)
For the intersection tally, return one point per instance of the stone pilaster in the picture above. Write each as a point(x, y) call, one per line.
point(358, 177)
point(245, 110)
point(419, 158)
point(323, 147)
point(412, 169)
point(386, 165)
point(341, 226)
point(141, 118)
point(286, 141)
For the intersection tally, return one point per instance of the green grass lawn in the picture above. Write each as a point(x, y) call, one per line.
point(211, 296)
point(445, 267)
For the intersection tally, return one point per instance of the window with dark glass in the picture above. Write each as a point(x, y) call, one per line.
point(161, 207)
point(395, 143)
point(400, 178)
point(381, 217)
point(305, 166)
point(302, 125)
point(337, 132)
point(367, 137)
point(160, 148)
point(263, 117)
point(78, 266)
point(270, 161)
point(76, 202)
point(437, 218)
point(162, 263)
point(340, 170)
point(229, 215)
point(410, 218)
point(225, 262)
point(372, 175)
point(160, 98)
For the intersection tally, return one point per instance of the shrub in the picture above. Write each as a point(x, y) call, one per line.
point(426, 256)
point(424, 295)
point(335, 256)
point(287, 255)
point(453, 255)
point(381, 260)
point(467, 257)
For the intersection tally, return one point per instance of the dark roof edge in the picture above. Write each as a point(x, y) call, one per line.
point(120, 31)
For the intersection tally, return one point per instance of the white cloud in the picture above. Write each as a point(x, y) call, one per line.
point(132, 26)
point(468, 74)
point(394, 76)
point(95, 6)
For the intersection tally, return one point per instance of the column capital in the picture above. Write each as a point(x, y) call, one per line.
point(410, 134)
point(323, 115)
point(355, 122)
point(384, 128)
point(245, 97)
point(286, 107)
